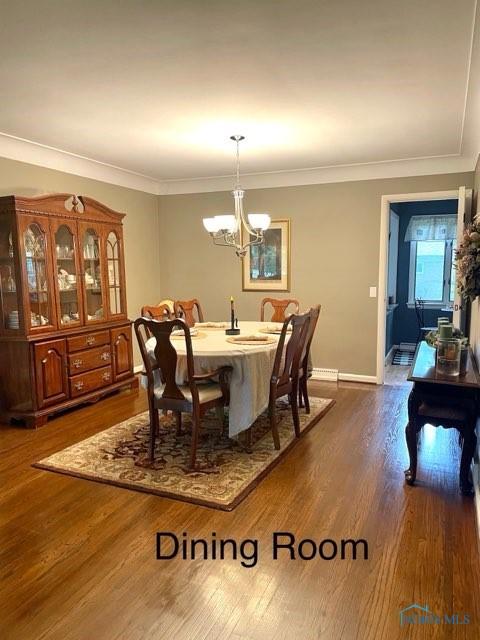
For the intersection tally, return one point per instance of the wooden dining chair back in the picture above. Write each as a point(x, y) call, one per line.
point(164, 393)
point(187, 309)
point(279, 308)
point(284, 379)
point(305, 371)
point(157, 312)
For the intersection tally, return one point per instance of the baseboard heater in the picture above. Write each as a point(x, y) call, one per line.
point(320, 373)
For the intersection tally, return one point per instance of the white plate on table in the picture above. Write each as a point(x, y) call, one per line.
point(180, 333)
point(212, 325)
point(251, 340)
point(275, 329)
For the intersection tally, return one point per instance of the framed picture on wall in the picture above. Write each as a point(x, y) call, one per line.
point(266, 266)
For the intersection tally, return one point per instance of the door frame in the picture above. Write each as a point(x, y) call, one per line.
point(386, 202)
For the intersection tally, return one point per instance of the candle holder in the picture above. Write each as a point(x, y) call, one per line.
point(234, 330)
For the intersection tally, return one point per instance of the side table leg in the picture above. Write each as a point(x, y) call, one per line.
point(469, 444)
point(411, 435)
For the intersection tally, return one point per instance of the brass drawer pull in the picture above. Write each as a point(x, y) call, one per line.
point(78, 386)
point(77, 363)
point(90, 340)
point(105, 376)
point(105, 355)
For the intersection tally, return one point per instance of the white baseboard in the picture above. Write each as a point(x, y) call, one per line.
point(320, 373)
point(333, 375)
point(389, 356)
point(356, 377)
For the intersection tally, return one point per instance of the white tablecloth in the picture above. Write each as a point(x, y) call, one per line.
point(251, 369)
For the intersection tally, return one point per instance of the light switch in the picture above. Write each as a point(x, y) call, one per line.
point(373, 292)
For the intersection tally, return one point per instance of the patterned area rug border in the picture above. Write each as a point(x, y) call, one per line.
point(308, 424)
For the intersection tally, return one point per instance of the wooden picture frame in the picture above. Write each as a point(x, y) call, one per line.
point(273, 253)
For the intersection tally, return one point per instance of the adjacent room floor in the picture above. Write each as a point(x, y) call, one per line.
point(79, 562)
point(397, 374)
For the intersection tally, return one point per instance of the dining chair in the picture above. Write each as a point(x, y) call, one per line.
point(170, 304)
point(420, 314)
point(284, 379)
point(157, 312)
point(305, 370)
point(279, 308)
point(196, 396)
point(185, 309)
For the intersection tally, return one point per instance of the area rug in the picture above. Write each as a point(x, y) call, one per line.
point(226, 472)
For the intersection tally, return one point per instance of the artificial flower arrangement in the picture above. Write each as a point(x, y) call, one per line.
point(467, 262)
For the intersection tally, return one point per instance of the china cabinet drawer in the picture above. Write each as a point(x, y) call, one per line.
point(90, 381)
point(88, 340)
point(86, 360)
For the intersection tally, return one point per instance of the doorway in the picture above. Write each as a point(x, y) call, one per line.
point(416, 278)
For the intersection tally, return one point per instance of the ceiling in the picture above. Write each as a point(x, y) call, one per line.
point(157, 87)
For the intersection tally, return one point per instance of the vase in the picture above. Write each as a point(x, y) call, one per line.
point(448, 357)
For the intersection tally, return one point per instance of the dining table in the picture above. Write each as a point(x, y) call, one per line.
point(251, 364)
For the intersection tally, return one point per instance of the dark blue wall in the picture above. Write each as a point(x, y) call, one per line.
point(405, 326)
point(389, 331)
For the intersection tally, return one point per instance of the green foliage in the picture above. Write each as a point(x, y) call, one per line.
point(467, 262)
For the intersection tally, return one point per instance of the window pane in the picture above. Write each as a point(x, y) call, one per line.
point(429, 270)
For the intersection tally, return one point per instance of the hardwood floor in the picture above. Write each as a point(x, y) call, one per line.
point(78, 558)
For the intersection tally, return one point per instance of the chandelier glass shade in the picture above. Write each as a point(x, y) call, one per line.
point(226, 229)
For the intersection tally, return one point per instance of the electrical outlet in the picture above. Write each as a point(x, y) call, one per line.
point(373, 292)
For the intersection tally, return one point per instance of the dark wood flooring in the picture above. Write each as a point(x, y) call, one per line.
point(78, 558)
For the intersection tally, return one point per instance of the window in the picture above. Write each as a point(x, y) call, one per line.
point(432, 273)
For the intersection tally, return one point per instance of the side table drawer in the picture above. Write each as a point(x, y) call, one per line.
point(88, 340)
point(90, 381)
point(87, 360)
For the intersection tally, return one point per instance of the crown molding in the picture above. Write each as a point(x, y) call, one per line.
point(325, 175)
point(41, 155)
point(30, 152)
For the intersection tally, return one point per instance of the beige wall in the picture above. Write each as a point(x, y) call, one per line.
point(335, 244)
point(140, 224)
point(335, 252)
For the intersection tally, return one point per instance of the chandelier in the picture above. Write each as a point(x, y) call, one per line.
point(226, 229)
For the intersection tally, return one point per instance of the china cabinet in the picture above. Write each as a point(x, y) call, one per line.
point(64, 333)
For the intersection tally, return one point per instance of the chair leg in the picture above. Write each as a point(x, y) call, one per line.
point(294, 403)
point(220, 413)
point(154, 429)
point(248, 439)
point(305, 395)
point(300, 396)
point(178, 418)
point(273, 425)
point(195, 430)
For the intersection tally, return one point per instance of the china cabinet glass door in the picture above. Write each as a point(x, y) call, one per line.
point(68, 284)
point(93, 277)
point(9, 319)
point(115, 275)
point(37, 275)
